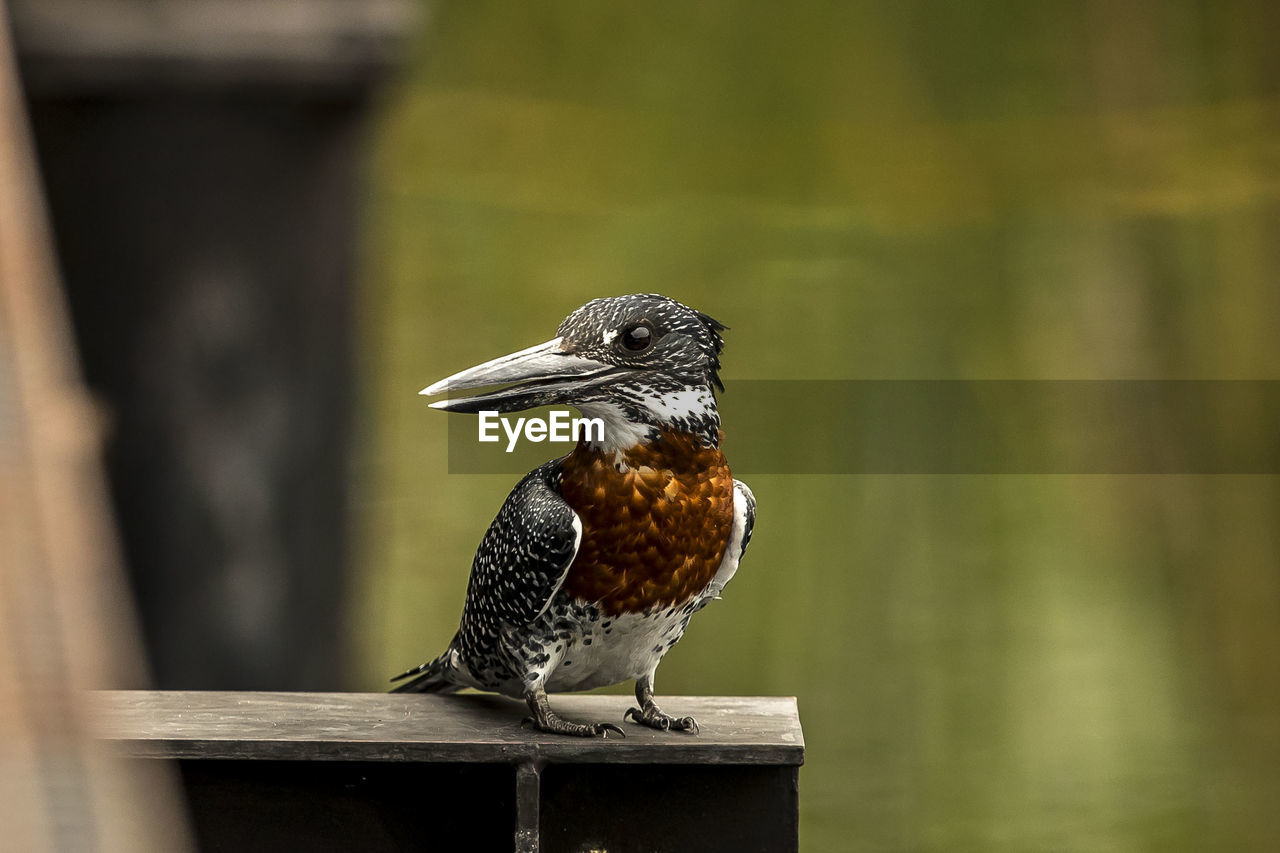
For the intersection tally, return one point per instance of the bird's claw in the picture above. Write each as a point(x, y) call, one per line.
point(655, 719)
point(561, 727)
point(635, 715)
point(687, 724)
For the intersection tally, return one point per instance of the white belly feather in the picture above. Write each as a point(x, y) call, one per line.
point(620, 648)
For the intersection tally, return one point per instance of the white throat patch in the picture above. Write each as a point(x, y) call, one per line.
point(687, 405)
point(619, 433)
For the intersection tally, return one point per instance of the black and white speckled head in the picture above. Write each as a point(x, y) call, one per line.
point(641, 363)
point(649, 332)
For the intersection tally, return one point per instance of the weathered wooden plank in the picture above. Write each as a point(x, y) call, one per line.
point(458, 729)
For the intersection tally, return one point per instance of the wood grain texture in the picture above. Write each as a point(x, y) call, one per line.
point(414, 727)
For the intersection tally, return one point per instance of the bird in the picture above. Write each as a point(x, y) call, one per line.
point(596, 561)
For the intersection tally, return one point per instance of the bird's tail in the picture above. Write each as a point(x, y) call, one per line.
point(435, 676)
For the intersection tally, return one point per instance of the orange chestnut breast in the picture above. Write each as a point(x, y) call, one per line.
point(653, 534)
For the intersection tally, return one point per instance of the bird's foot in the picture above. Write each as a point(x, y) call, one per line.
point(653, 717)
point(556, 726)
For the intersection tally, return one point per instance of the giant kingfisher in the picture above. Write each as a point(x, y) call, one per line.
point(595, 563)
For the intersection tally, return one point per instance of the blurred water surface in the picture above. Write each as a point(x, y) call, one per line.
point(909, 190)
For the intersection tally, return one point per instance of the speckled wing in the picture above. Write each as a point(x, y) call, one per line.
point(519, 567)
point(522, 559)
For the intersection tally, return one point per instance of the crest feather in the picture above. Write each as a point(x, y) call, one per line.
point(715, 327)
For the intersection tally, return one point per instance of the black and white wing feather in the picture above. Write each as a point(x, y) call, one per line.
point(519, 567)
point(524, 556)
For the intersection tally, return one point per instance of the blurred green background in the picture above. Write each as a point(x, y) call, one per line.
point(879, 190)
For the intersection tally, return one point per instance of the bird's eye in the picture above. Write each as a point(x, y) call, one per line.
point(637, 338)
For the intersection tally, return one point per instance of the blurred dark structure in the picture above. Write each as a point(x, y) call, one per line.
point(202, 161)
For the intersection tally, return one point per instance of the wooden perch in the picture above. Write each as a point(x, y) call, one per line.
point(273, 770)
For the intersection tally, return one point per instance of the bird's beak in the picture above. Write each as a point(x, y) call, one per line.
point(546, 374)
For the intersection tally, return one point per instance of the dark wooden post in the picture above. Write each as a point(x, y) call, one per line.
point(370, 772)
point(202, 165)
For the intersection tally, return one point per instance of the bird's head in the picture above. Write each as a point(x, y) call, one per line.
point(642, 363)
